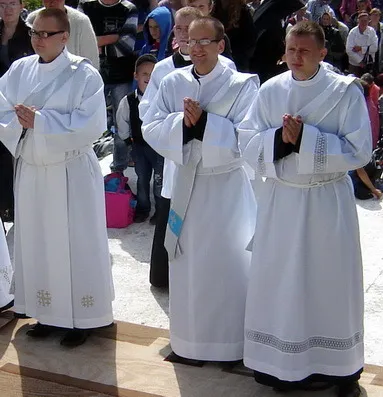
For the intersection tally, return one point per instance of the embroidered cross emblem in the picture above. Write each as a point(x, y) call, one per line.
point(87, 301)
point(44, 298)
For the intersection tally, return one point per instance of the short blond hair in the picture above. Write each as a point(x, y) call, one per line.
point(309, 28)
point(185, 12)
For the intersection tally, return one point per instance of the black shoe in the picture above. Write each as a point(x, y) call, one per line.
point(175, 358)
point(351, 389)
point(153, 219)
point(40, 330)
point(8, 306)
point(139, 218)
point(229, 365)
point(75, 337)
point(20, 315)
point(317, 386)
point(304, 386)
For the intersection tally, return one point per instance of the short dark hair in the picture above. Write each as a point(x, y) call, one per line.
point(309, 28)
point(368, 78)
point(60, 16)
point(214, 22)
point(146, 58)
point(189, 12)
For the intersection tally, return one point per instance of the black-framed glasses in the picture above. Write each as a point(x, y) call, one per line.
point(42, 34)
point(202, 42)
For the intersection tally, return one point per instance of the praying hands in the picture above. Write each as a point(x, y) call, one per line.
point(192, 112)
point(292, 127)
point(26, 115)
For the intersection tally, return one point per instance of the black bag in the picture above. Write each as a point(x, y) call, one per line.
point(368, 62)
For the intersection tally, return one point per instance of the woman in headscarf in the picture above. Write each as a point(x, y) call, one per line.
point(334, 42)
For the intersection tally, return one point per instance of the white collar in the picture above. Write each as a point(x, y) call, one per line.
point(317, 76)
point(184, 56)
point(46, 67)
point(218, 69)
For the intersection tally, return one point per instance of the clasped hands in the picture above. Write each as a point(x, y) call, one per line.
point(292, 127)
point(192, 112)
point(26, 115)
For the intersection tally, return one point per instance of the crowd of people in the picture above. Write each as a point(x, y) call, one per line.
point(203, 96)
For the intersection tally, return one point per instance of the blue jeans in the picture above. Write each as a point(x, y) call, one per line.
point(147, 162)
point(113, 95)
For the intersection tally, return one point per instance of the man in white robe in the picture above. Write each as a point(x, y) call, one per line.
point(304, 315)
point(192, 121)
point(6, 299)
point(159, 267)
point(51, 110)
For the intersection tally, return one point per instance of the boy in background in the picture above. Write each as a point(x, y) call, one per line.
point(147, 161)
point(157, 29)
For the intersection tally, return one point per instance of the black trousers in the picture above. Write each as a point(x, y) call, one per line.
point(159, 262)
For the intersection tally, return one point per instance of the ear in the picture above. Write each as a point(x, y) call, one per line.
point(221, 46)
point(65, 37)
point(135, 75)
point(323, 53)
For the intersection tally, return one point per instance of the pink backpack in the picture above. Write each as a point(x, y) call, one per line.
point(120, 203)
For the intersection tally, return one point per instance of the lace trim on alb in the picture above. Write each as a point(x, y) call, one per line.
point(310, 343)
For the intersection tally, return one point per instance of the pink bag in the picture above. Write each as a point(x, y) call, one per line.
point(119, 204)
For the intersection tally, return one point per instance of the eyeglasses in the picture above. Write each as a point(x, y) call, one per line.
point(3, 6)
point(202, 42)
point(42, 34)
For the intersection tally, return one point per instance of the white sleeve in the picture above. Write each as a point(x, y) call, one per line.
point(123, 119)
point(150, 93)
point(220, 141)
point(10, 128)
point(88, 43)
point(162, 128)
point(56, 132)
point(339, 151)
point(256, 139)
